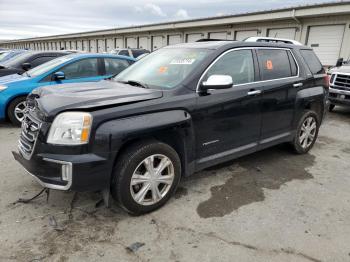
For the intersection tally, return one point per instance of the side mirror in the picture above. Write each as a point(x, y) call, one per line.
point(26, 66)
point(59, 76)
point(217, 82)
point(339, 62)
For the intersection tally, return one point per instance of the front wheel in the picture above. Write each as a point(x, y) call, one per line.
point(145, 177)
point(16, 110)
point(306, 133)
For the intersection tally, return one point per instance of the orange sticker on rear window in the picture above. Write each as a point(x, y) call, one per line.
point(269, 65)
point(162, 69)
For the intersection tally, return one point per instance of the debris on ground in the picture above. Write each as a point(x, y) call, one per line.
point(53, 223)
point(135, 246)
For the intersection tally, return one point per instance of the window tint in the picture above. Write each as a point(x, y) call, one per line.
point(237, 64)
point(41, 60)
point(115, 66)
point(274, 64)
point(312, 61)
point(124, 52)
point(82, 68)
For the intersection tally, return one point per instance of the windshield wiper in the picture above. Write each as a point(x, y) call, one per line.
point(135, 83)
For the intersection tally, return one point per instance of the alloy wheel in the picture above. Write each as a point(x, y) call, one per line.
point(152, 179)
point(307, 132)
point(20, 110)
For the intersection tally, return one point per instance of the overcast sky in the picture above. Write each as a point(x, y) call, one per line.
point(32, 18)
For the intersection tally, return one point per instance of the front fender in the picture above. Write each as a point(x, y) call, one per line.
point(173, 126)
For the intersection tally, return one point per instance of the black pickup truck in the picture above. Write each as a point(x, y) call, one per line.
point(179, 110)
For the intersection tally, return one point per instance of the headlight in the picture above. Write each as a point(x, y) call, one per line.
point(70, 128)
point(2, 88)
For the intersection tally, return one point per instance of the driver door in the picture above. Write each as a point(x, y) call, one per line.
point(228, 121)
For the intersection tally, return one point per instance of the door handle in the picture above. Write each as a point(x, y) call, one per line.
point(298, 85)
point(254, 92)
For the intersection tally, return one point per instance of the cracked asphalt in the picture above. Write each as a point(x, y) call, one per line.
point(269, 206)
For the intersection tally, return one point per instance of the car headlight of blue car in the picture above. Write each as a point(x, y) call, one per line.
point(2, 88)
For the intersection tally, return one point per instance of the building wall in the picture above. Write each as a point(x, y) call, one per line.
point(154, 39)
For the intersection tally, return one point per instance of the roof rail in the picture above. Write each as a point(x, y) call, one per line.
point(271, 40)
point(211, 39)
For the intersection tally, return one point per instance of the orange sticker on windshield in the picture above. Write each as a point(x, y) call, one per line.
point(162, 69)
point(269, 65)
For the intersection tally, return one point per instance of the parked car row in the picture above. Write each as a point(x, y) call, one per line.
point(176, 111)
point(50, 68)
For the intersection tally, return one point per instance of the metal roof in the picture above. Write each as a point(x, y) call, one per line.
point(224, 19)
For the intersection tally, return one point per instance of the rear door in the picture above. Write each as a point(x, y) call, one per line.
point(279, 74)
point(113, 66)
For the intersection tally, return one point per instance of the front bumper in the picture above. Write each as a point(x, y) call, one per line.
point(86, 172)
point(339, 97)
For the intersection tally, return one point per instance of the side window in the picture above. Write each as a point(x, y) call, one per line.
point(115, 66)
point(274, 64)
point(124, 52)
point(237, 64)
point(80, 69)
point(41, 60)
point(312, 61)
point(293, 64)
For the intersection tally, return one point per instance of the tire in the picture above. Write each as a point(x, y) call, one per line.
point(134, 160)
point(331, 107)
point(16, 109)
point(309, 130)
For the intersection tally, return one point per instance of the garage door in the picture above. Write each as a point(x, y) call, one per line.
point(218, 35)
point(86, 45)
point(73, 45)
point(190, 38)
point(101, 45)
point(110, 44)
point(131, 42)
point(288, 33)
point(93, 46)
point(157, 42)
point(119, 43)
point(326, 42)
point(79, 45)
point(143, 42)
point(174, 39)
point(241, 35)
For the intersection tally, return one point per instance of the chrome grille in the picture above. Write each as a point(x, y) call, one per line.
point(342, 82)
point(29, 135)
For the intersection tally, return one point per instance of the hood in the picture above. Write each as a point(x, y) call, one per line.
point(5, 80)
point(342, 69)
point(54, 99)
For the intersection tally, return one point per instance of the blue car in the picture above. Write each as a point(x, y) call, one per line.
point(72, 68)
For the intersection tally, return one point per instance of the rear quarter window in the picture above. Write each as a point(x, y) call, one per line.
point(312, 61)
point(275, 64)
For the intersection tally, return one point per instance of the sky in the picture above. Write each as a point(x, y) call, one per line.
point(34, 18)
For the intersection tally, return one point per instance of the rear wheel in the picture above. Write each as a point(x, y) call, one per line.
point(16, 109)
point(145, 177)
point(331, 107)
point(306, 133)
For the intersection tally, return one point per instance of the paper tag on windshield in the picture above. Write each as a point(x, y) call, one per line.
point(184, 61)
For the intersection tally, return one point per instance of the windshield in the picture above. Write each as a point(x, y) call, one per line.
point(48, 66)
point(8, 55)
point(165, 68)
point(18, 60)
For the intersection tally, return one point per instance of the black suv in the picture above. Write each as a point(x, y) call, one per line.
point(179, 110)
point(27, 60)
